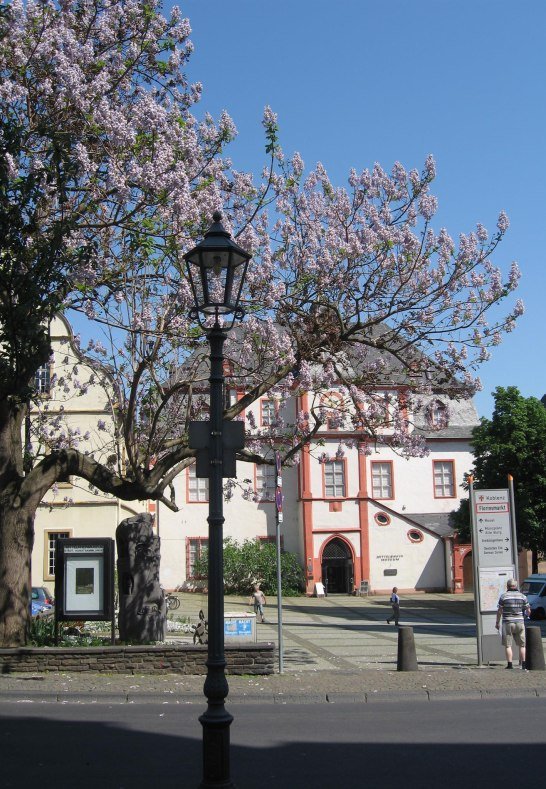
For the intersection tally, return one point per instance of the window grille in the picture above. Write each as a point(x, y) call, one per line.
point(194, 551)
point(266, 482)
point(51, 538)
point(42, 379)
point(198, 487)
point(444, 484)
point(381, 480)
point(334, 479)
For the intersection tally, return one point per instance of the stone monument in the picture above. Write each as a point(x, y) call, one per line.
point(142, 606)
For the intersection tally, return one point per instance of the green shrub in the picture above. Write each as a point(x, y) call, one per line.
point(253, 562)
point(42, 631)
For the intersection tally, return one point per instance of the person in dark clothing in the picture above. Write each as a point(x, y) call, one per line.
point(395, 602)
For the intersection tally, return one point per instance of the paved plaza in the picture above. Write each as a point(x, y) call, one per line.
point(350, 633)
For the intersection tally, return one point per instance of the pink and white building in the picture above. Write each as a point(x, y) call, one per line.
point(360, 514)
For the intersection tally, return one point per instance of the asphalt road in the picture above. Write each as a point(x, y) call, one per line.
point(386, 745)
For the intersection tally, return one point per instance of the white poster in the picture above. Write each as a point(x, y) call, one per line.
point(84, 584)
point(492, 582)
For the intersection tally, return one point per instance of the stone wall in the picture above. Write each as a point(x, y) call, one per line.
point(163, 659)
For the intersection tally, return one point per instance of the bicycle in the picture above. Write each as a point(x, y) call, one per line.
point(172, 602)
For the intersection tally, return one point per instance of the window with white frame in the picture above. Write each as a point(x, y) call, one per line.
point(194, 551)
point(381, 480)
point(266, 482)
point(51, 538)
point(198, 487)
point(268, 412)
point(438, 414)
point(42, 379)
point(444, 479)
point(334, 479)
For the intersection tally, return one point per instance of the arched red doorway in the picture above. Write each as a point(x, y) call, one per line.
point(337, 567)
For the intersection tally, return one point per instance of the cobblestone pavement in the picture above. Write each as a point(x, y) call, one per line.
point(338, 648)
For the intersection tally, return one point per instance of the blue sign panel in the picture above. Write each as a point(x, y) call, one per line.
point(237, 627)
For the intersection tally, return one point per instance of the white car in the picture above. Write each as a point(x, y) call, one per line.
point(534, 589)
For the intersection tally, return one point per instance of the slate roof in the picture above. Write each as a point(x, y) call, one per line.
point(437, 522)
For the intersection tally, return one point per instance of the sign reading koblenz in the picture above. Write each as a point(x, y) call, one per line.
point(494, 531)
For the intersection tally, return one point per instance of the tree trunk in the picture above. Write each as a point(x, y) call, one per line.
point(17, 511)
point(16, 540)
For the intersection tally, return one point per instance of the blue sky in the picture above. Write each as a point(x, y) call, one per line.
point(359, 81)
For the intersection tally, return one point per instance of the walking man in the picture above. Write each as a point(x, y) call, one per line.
point(395, 602)
point(512, 608)
point(258, 600)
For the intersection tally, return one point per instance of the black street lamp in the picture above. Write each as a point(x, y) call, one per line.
point(216, 269)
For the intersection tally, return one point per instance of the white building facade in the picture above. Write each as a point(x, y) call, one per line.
point(360, 514)
point(354, 510)
point(77, 406)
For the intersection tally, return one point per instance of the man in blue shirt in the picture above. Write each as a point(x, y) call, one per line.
point(395, 602)
point(513, 608)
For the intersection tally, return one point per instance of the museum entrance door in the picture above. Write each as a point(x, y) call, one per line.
point(337, 568)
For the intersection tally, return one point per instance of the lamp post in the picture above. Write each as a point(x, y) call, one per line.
point(216, 269)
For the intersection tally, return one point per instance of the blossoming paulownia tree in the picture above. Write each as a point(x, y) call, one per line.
point(107, 179)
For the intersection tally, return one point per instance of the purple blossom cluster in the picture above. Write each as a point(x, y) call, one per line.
point(350, 288)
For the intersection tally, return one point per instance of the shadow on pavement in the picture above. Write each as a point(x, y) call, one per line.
point(342, 606)
point(57, 754)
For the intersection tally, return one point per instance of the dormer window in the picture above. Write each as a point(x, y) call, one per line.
point(269, 413)
point(438, 415)
point(42, 379)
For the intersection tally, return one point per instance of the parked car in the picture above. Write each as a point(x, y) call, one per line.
point(534, 589)
point(42, 595)
point(37, 609)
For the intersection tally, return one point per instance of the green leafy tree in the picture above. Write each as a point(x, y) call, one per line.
point(513, 442)
point(253, 562)
point(460, 519)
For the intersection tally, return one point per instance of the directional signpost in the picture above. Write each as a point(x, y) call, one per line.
point(494, 558)
point(494, 529)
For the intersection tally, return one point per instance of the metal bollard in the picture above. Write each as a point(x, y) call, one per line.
point(534, 653)
point(407, 658)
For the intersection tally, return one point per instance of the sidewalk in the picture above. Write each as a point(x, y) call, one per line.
point(336, 649)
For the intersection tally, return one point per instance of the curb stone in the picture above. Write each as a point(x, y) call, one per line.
point(509, 693)
point(393, 695)
point(336, 697)
point(346, 698)
point(454, 695)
